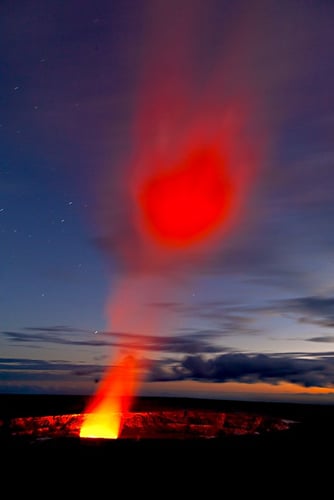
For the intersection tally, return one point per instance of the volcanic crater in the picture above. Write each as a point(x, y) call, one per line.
point(145, 422)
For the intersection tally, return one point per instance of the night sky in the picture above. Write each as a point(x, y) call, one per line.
point(100, 101)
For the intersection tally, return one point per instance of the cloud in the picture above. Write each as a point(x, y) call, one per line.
point(226, 316)
point(26, 375)
point(302, 369)
point(53, 336)
point(191, 342)
point(314, 310)
point(54, 329)
point(239, 367)
point(324, 339)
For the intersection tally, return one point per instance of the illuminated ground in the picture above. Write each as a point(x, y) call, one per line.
point(173, 460)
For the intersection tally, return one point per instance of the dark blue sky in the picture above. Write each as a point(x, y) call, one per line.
point(91, 92)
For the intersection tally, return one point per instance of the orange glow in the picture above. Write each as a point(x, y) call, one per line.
point(184, 204)
point(262, 390)
point(103, 416)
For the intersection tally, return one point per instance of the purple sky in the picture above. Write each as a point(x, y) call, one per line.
point(92, 92)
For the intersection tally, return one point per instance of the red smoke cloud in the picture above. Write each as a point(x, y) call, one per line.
point(196, 150)
point(196, 142)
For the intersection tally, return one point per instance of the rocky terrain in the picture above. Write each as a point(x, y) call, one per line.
point(172, 424)
point(165, 444)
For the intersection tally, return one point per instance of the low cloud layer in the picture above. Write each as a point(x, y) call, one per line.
point(250, 369)
point(302, 370)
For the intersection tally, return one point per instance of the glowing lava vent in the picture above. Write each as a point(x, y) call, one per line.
point(103, 417)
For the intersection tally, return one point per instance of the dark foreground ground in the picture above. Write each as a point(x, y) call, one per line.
point(300, 457)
